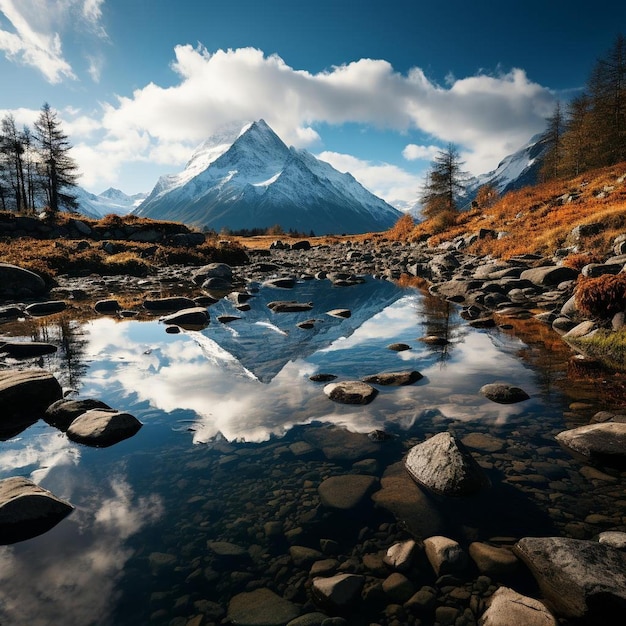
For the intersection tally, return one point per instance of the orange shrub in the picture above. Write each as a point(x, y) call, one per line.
point(601, 297)
point(578, 261)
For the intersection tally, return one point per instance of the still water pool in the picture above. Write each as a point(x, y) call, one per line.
point(236, 439)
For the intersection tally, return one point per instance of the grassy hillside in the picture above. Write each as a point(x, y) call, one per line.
point(539, 219)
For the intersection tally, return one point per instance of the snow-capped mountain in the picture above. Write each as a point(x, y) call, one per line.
point(253, 180)
point(109, 201)
point(515, 171)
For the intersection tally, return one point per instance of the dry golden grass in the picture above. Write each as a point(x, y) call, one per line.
point(540, 219)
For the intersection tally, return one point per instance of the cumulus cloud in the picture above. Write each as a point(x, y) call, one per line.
point(36, 28)
point(413, 152)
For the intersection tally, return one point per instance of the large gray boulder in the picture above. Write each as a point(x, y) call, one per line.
point(443, 465)
point(16, 281)
point(27, 510)
point(549, 275)
point(603, 443)
point(212, 270)
point(103, 427)
point(27, 391)
point(507, 607)
point(582, 580)
point(63, 412)
point(261, 607)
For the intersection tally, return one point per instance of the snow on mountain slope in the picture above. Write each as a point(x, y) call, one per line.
point(258, 182)
point(109, 201)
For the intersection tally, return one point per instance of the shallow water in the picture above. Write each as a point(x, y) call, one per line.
point(226, 411)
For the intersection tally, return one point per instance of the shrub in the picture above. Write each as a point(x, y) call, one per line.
point(402, 229)
point(601, 297)
point(578, 261)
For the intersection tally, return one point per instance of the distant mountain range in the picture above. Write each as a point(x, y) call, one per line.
point(109, 201)
point(247, 178)
point(253, 180)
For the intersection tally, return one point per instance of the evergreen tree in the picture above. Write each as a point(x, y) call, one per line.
point(445, 181)
point(579, 137)
point(11, 156)
point(553, 137)
point(58, 169)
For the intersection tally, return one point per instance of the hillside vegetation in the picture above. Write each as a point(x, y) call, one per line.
point(539, 219)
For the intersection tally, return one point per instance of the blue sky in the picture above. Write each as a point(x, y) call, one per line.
point(374, 87)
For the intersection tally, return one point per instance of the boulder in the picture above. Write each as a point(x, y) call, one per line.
point(507, 607)
point(175, 303)
point(445, 555)
point(603, 443)
point(16, 281)
point(350, 392)
point(503, 393)
point(398, 588)
point(27, 391)
point(339, 592)
point(581, 580)
point(493, 561)
point(212, 270)
point(103, 427)
point(399, 556)
point(217, 285)
point(303, 556)
point(261, 607)
point(46, 308)
point(394, 378)
point(549, 275)
point(27, 349)
point(346, 492)
point(193, 318)
point(614, 538)
point(27, 510)
point(339, 444)
point(444, 466)
point(107, 306)
point(63, 412)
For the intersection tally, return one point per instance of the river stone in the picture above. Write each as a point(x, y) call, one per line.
point(445, 555)
point(261, 607)
point(175, 303)
point(508, 608)
point(398, 347)
point(603, 443)
point(493, 561)
point(337, 592)
point(16, 281)
point(109, 305)
point(212, 270)
point(341, 313)
point(46, 308)
point(398, 587)
point(103, 427)
point(408, 503)
point(399, 556)
point(338, 444)
point(63, 412)
point(303, 556)
point(289, 306)
point(613, 538)
point(483, 442)
point(443, 465)
point(503, 393)
point(351, 392)
point(550, 275)
point(322, 378)
point(217, 285)
point(27, 349)
point(346, 492)
point(193, 318)
point(394, 378)
point(309, 619)
point(227, 319)
point(227, 549)
point(580, 579)
point(27, 510)
point(284, 282)
point(27, 391)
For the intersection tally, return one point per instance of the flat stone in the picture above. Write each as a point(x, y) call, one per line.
point(549, 275)
point(483, 442)
point(107, 306)
point(509, 608)
point(613, 538)
point(322, 378)
point(346, 492)
point(27, 391)
point(603, 443)
point(303, 556)
point(103, 427)
point(399, 556)
point(175, 303)
point(46, 308)
point(63, 412)
point(398, 588)
point(27, 510)
point(337, 592)
point(394, 378)
point(284, 306)
point(15, 280)
point(351, 392)
point(338, 444)
point(398, 347)
point(227, 549)
point(443, 465)
point(27, 349)
point(493, 561)
point(309, 619)
point(192, 318)
point(285, 282)
point(343, 313)
point(579, 579)
point(503, 393)
point(261, 607)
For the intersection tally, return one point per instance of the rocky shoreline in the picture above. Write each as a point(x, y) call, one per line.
point(407, 571)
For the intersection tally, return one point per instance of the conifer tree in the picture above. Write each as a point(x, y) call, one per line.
point(12, 166)
point(445, 181)
point(553, 137)
point(58, 169)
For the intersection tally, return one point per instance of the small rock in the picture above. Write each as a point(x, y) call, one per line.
point(493, 561)
point(261, 607)
point(398, 347)
point(351, 392)
point(343, 313)
point(503, 393)
point(400, 555)
point(445, 555)
point(394, 378)
point(337, 592)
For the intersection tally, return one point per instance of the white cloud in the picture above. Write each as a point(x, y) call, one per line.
point(413, 152)
point(36, 28)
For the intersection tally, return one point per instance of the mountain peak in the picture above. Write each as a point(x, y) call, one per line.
point(257, 182)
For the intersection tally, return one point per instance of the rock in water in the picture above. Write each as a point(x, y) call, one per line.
point(337, 592)
point(27, 510)
point(599, 443)
point(103, 427)
point(193, 318)
point(444, 466)
point(261, 607)
point(507, 607)
point(346, 492)
point(27, 391)
point(580, 579)
point(394, 378)
point(63, 412)
point(503, 393)
point(351, 392)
